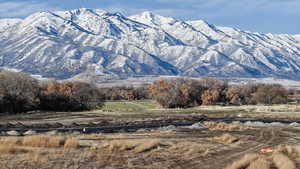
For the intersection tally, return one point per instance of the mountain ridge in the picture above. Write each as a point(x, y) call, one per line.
point(96, 44)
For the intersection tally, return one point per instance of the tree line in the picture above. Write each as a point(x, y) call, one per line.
point(19, 92)
point(184, 93)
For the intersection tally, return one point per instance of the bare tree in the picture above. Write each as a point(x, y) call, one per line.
point(234, 95)
point(270, 94)
point(125, 93)
point(210, 97)
point(177, 93)
point(70, 96)
point(18, 92)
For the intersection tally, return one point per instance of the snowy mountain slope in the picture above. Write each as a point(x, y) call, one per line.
point(297, 37)
point(49, 44)
point(7, 23)
point(179, 29)
point(253, 54)
point(94, 43)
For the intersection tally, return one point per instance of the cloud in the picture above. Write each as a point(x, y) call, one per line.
point(22, 9)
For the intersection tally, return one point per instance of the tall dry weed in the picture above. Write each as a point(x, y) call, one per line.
point(281, 161)
point(244, 162)
point(44, 141)
point(260, 163)
point(71, 143)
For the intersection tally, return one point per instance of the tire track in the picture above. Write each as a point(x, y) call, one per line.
point(265, 138)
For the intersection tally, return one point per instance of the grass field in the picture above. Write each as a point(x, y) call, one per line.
point(152, 106)
point(129, 106)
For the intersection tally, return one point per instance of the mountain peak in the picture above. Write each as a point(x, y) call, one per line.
point(149, 18)
point(41, 18)
point(147, 14)
point(80, 11)
point(199, 22)
point(83, 10)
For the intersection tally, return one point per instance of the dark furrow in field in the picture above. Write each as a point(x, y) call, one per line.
point(134, 126)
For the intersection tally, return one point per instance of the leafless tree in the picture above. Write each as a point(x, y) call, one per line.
point(270, 94)
point(70, 96)
point(18, 92)
point(177, 92)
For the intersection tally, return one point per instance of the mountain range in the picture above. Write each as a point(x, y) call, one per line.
point(93, 43)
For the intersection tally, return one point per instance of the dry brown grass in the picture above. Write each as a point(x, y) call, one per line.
point(11, 149)
point(244, 162)
point(291, 151)
point(46, 141)
point(260, 163)
point(235, 126)
point(282, 161)
point(297, 150)
point(49, 141)
point(190, 148)
point(10, 141)
point(199, 152)
point(9, 145)
point(138, 146)
point(92, 136)
point(226, 138)
point(148, 146)
point(283, 157)
point(38, 157)
point(120, 145)
point(71, 143)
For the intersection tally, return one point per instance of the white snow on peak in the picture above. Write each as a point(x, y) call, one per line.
point(71, 14)
point(7, 23)
point(207, 28)
point(152, 19)
point(297, 37)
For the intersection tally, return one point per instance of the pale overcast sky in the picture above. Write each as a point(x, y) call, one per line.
point(274, 16)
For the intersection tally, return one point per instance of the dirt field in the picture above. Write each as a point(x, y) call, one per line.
point(213, 148)
point(214, 145)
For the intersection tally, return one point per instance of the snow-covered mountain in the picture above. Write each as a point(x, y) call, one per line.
point(85, 43)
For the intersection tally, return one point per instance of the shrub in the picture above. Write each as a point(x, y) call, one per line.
point(18, 92)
